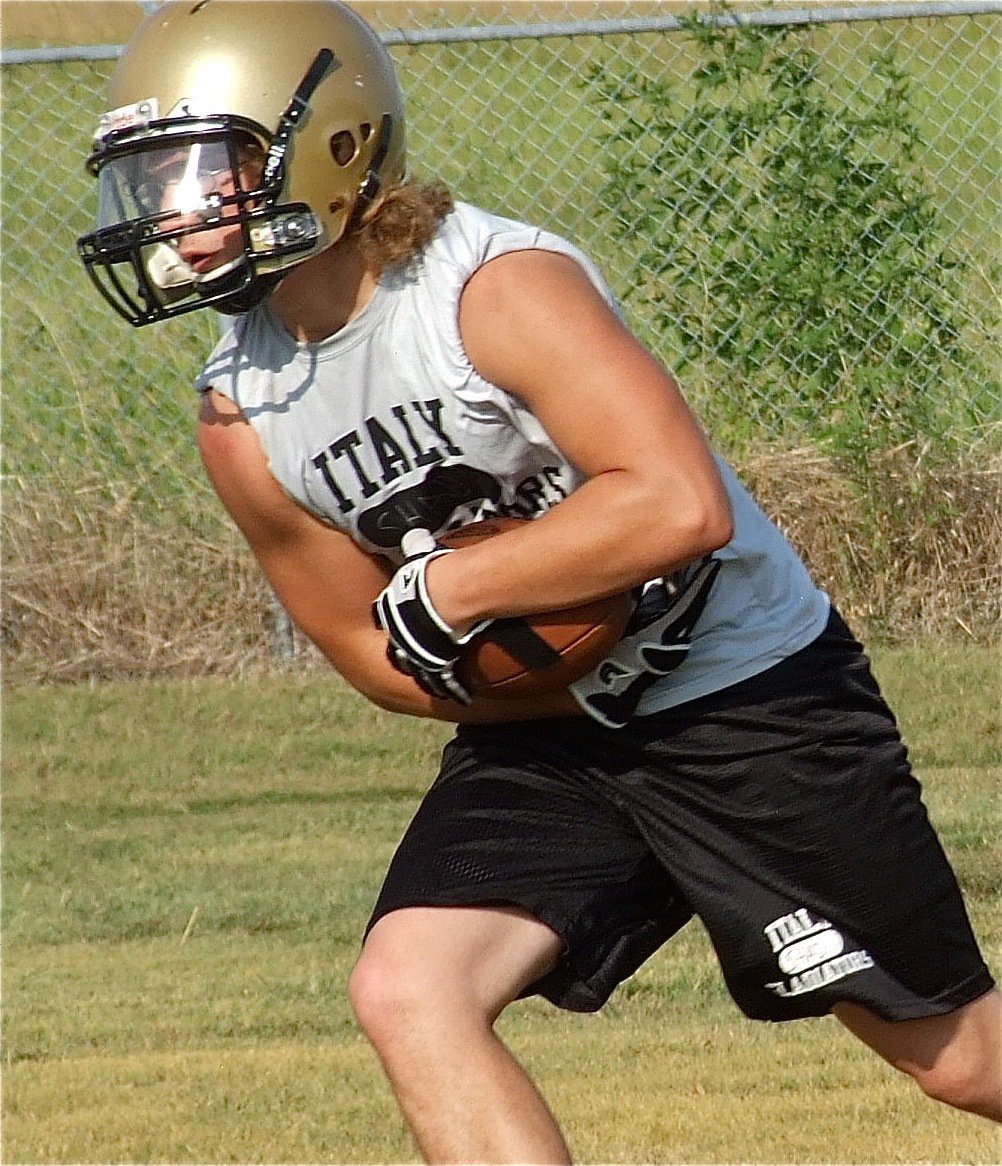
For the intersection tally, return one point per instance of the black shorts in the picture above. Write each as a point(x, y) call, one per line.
point(781, 811)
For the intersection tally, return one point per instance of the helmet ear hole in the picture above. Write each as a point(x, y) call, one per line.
point(343, 147)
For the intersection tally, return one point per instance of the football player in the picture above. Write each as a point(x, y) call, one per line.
point(399, 363)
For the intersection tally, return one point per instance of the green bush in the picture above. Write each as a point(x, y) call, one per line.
point(786, 244)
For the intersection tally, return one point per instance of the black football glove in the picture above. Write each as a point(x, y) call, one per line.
point(422, 645)
point(655, 643)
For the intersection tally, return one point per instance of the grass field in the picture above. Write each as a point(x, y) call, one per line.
point(186, 871)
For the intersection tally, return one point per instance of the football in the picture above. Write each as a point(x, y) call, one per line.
point(535, 655)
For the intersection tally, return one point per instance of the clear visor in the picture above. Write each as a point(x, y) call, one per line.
point(184, 179)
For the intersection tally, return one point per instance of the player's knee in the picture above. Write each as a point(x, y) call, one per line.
point(955, 1057)
point(378, 993)
point(390, 994)
point(971, 1082)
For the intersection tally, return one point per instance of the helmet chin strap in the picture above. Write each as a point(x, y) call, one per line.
point(373, 181)
point(274, 164)
point(245, 298)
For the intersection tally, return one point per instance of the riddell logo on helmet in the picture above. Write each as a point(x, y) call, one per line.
point(126, 117)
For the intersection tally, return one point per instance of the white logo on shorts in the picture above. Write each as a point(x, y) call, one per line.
point(810, 953)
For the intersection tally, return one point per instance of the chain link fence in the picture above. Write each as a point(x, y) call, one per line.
point(798, 206)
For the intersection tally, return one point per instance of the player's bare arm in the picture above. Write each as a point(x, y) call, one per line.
point(324, 581)
point(653, 500)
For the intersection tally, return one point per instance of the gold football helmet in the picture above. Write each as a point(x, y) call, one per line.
point(270, 124)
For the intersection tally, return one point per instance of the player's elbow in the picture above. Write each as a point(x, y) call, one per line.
point(717, 525)
point(699, 529)
point(687, 510)
point(391, 691)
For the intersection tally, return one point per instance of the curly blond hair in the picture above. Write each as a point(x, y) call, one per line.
point(402, 222)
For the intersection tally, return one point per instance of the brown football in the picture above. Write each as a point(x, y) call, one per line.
point(539, 654)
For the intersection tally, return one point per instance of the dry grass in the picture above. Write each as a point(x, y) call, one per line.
point(103, 591)
point(914, 550)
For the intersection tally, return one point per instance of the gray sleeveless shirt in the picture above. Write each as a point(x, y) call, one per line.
point(386, 426)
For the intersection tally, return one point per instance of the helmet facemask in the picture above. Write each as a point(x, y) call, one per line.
point(162, 193)
point(161, 187)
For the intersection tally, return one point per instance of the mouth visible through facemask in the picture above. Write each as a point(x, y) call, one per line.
point(174, 276)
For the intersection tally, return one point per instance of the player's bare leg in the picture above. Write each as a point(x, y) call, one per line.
point(427, 989)
point(956, 1058)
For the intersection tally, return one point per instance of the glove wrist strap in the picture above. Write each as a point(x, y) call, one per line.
point(429, 605)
